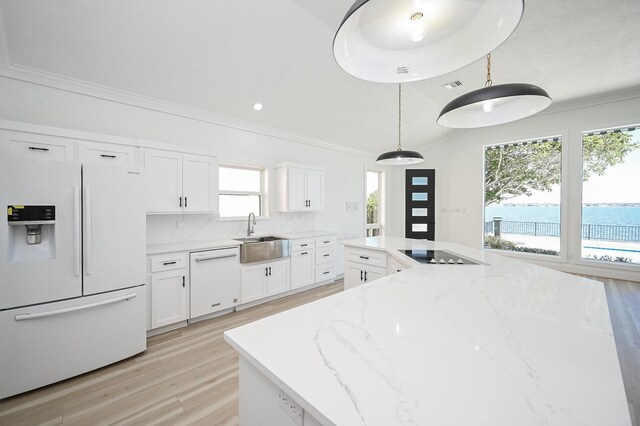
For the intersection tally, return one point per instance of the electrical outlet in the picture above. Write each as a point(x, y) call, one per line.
point(290, 407)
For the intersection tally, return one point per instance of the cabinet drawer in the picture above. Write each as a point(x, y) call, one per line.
point(325, 272)
point(168, 262)
point(104, 153)
point(367, 257)
point(325, 256)
point(35, 146)
point(328, 241)
point(297, 245)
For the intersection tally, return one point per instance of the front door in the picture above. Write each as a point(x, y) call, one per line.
point(420, 212)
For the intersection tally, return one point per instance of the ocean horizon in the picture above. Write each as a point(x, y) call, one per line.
point(622, 214)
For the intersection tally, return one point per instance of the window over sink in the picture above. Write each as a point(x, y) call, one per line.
point(242, 191)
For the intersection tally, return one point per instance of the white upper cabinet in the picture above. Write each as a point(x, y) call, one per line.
point(107, 153)
point(180, 183)
point(36, 146)
point(300, 187)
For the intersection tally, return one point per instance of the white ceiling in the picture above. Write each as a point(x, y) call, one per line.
point(223, 56)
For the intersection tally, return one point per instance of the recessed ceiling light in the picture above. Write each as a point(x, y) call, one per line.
point(257, 106)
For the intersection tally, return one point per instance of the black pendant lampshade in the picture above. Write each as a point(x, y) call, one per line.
point(493, 105)
point(400, 157)
point(397, 41)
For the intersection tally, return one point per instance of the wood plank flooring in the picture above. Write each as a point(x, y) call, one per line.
point(190, 376)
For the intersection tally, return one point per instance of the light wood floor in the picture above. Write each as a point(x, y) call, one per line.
point(190, 376)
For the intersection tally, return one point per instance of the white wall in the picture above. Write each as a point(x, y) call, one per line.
point(344, 181)
point(459, 164)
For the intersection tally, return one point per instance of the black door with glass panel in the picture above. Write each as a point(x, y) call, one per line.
point(420, 212)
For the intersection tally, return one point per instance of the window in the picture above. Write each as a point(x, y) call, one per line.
point(611, 196)
point(373, 225)
point(522, 196)
point(241, 191)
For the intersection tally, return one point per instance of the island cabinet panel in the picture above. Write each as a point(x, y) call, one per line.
point(394, 266)
point(362, 266)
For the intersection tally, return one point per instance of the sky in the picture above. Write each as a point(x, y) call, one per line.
point(619, 184)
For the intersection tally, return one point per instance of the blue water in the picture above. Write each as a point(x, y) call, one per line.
point(596, 215)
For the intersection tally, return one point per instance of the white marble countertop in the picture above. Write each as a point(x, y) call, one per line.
point(190, 246)
point(303, 234)
point(503, 343)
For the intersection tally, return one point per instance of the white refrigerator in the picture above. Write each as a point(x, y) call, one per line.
point(72, 270)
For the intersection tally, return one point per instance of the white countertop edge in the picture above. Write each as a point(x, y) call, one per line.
point(294, 235)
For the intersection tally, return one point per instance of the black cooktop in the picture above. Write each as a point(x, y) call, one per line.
point(438, 257)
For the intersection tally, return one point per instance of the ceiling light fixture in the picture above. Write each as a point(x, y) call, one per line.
point(257, 106)
point(399, 157)
point(397, 41)
point(493, 105)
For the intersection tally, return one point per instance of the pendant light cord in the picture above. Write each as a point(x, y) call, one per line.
point(489, 82)
point(399, 115)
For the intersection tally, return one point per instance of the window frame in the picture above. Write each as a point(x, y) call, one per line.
point(369, 227)
point(563, 256)
point(263, 193)
point(577, 237)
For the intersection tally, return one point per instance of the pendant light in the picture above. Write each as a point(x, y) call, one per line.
point(397, 41)
point(493, 105)
point(399, 157)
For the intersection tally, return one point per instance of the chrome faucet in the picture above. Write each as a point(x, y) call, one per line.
point(249, 227)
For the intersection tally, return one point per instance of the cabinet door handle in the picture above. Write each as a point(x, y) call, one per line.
point(107, 156)
point(360, 275)
point(180, 203)
point(168, 263)
point(364, 257)
point(269, 270)
point(183, 284)
point(266, 272)
point(303, 253)
point(327, 242)
point(325, 272)
point(185, 202)
point(35, 148)
point(365, 276)
point(303, 245)
point(326, 255)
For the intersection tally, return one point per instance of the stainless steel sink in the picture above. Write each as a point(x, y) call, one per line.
point(258, 249)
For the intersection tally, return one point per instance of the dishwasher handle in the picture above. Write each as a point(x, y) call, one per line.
point(203, 259)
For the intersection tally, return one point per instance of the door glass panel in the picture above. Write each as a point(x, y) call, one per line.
point(420, 180)
point(420, 196)
point(419, 227)
point(420, 212)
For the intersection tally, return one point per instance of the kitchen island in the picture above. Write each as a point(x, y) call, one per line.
point(502, 342)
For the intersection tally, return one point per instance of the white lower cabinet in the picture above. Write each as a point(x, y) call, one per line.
point(264, 280)
point(302, 268)
point(168, 289)
point(169, 297)
point(363, 266)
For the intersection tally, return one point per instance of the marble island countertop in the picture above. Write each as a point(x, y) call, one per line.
point(502, 343)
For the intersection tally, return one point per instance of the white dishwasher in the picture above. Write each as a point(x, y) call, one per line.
point(214, 280)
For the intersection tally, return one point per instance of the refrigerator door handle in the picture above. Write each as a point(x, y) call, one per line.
point(77, 231)
point(27, 316)
point(87, 230)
